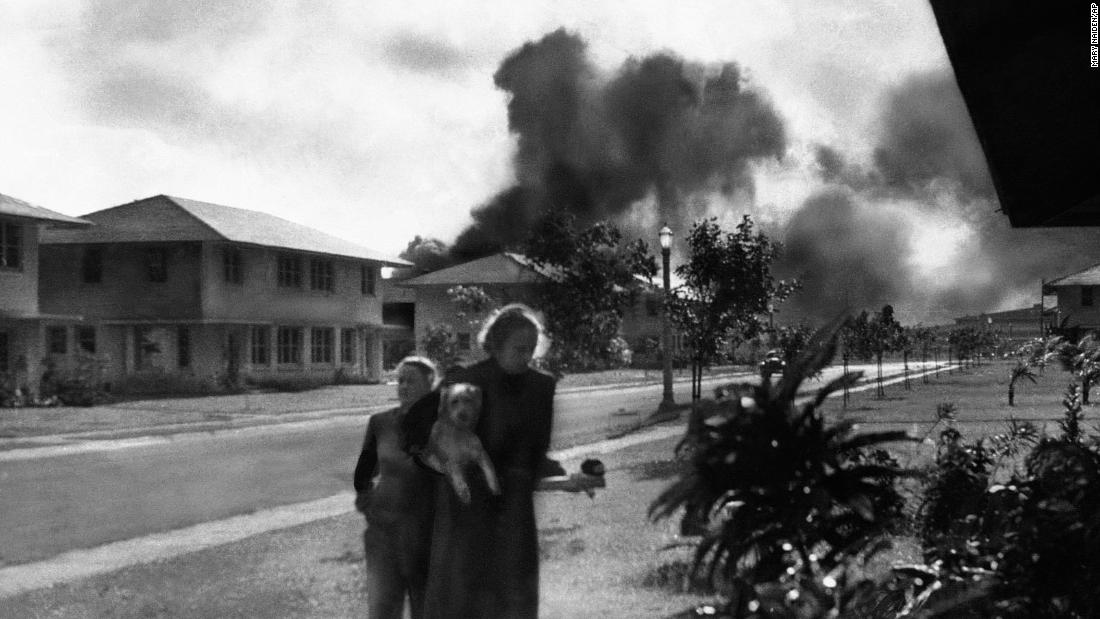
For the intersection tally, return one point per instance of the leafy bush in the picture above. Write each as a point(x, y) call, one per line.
point(79, 385)
point(1025, 547)
point(792, 505)
point(288, 384)
point(167, 384)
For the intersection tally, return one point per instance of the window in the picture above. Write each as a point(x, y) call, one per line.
point(156, 264)
point(91, 267)
point(288, 345)
point(231, 265)
point(183, 347)
point(57, 340)
point(259, 345)
point(652, 307)
point(368, 278)
point(1086, 296)
point(347, 345)
point(4, 366)
point(321, 275)
point(85, 339)
point(321, 345)
point(289, 271)
point(464, 341)
point(11, 245)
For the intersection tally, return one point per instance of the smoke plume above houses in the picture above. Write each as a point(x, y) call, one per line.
point(650, 135)
point(911, 222)
point(851, 244)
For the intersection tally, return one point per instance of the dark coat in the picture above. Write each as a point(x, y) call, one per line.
point(484, 556)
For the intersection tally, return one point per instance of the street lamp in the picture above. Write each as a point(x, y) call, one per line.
point(665, 236)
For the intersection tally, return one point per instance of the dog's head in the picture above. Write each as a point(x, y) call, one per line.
point(461, 404)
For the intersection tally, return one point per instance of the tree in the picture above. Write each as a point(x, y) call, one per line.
point(871, 337)
point(792, 340)
point(727, 289)
point(966, 341)
point(924, 338)
point(472, 304)
point(853, 343)
point(440, 344)
point(905, 341)
point(593, 275)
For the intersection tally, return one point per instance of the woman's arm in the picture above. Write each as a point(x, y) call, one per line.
point(366, 466)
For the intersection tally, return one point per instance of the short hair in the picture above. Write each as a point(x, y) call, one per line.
point(506, 321)
point(423, 365)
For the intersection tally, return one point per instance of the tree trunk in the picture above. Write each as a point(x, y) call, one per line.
point(845, 400)
point(1011, 393)
point(905, 360)
point(1086, 384)
point(881, 392)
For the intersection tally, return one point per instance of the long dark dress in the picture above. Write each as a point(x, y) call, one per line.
point(484, 556)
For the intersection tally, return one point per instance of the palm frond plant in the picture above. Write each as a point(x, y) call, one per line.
point(1080, 358)
point(793, 503)
point(1018, 371)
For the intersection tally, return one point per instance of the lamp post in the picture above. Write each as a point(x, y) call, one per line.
point(665, 236)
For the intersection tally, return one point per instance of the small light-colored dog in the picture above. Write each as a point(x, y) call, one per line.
point(453, 445)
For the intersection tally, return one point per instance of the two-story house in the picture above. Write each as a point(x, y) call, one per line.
point(170, 285)
point(508, 278)
point(1078, 300)
point(22, 323)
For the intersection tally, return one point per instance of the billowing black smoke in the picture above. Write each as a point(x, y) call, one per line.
point(847, 256)
point(851, 244)
point(658, 130)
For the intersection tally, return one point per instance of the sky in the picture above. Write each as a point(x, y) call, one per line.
point(377, 121)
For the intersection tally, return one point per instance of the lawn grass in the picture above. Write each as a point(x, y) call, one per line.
point(980, 397)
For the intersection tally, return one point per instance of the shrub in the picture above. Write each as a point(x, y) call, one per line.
point(79, 385)
point(343, 377)
point(288, 384)
point(167, 384)
point(1027, 547)
point(790, 504)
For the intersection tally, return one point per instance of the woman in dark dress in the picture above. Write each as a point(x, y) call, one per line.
point(484, 556)
point(397, 497)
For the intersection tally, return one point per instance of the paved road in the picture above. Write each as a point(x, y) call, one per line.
point(52, 504)
point(49, 505)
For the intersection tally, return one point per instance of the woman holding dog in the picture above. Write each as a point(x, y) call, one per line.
point(484, 555)
point(396, 496)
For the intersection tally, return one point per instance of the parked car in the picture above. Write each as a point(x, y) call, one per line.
point(773, 363)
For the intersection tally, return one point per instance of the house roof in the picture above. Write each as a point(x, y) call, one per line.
point(166, 218)
point(1032, 97)
point(1085, 277)
point(18, 208)
point(502, 268)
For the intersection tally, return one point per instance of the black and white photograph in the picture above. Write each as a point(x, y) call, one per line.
point(549, 309)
